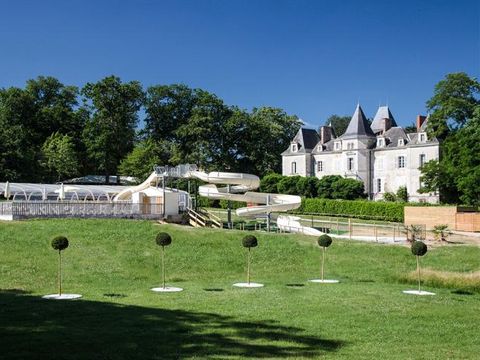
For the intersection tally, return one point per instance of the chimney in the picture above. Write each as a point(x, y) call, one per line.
point(420, 121)
point(325, 134)
point(386, 125)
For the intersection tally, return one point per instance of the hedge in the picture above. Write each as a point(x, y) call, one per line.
point(363, 209)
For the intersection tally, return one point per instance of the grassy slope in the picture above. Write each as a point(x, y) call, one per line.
point(113, 263)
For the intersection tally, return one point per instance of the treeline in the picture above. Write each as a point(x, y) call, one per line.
point(328, 187)
point(50, 131)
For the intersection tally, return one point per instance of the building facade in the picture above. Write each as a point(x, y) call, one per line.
point(381, 154)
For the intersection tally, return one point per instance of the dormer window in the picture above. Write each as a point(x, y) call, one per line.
point(380, 142)
point(422, 137)
point(320, 148)
point(401, 142)
point(337, 145)
point(294, 147)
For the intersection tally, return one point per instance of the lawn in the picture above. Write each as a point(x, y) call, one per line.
point(114, 263)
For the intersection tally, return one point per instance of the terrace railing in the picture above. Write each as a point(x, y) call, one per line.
point(64, 209)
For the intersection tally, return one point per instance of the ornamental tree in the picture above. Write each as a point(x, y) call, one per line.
point(60, 243)
point(324, 241)
point(163, 239)
point(249, 242)
point(418, 249)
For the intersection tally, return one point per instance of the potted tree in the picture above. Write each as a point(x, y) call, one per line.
point(60, 243)
point(249, 242)
point(418, 249)
point(441, 232)
point(324, 241)
point(164, 239)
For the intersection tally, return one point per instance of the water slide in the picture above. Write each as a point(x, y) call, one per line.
point(127, 193)
point(238, 188)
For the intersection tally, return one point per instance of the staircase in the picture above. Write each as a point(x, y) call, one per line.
point(202, 218)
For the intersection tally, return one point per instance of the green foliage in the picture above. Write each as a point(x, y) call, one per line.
point(357, 209)
point(419, 248)
point(269, 183)
point(60, 243)
point(402, 194)
point(141, 161)
point(389, 196)
point(59, 156)
point(348, 189)
point(288, 185)
point(455, 119)
point(163, 239)
point(249, 241)
point(324, 240)
point(110, 131)
point(338, 123)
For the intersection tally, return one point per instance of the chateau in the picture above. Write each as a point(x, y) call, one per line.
point(380, 154)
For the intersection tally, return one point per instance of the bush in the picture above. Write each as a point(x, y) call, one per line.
point(163, 239)
point(324, 240)
point(348, 189)
point(249, 241)
point(60, 243)
point(363, 209)
point(402, 194)
point(288, 185)
point(307, 186)
point(389, 196)
point(419, 248)
point(269, 183)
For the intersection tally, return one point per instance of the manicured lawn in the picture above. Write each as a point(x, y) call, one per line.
point(114, 263)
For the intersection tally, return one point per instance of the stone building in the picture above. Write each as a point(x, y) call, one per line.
point(381, 154)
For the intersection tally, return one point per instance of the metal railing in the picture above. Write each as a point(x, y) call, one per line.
point(47, 209)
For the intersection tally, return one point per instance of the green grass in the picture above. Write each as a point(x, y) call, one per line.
point(114, 263)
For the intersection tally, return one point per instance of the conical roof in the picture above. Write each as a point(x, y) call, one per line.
point(383, 112)
point(358, 126)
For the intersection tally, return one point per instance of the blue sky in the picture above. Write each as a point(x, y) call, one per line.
point(311, 58)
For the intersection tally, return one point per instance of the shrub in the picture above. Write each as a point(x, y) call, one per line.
point(348, 189)
point(163, 239)
point(307, 186)
point(60, 243)
point(269, 183)
point(288, 185)
point(363, 209)
point(389, 196)
point(249, 241)
point(324, 240)
point(402, 194)
point(419, 248)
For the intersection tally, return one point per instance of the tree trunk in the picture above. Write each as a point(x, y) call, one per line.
point(418, 272)
point(163, 266)
point(248, 267)
point(323, 260)
point(59, 272)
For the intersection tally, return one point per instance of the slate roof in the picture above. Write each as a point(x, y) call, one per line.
point(383, 112)
point(393, 135)
point(306, 140)
point(358, 126)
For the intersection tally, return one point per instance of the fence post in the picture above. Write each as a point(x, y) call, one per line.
point(375, 231)
point(393, 233)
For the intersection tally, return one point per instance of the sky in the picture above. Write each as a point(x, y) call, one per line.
point(311, 58)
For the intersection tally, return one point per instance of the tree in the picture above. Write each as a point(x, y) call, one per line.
point(339, 123)
point(453, 103)
point(163, 239)
point(307, 186)
point(419, 249)
point(402, 194)
point(59, 157)
point(288, 185)
point(324, 187)
point(269, 183)
point(249, 242)
point(455, 119)
point(324, 241)
point(441, 232)
point(348, 189)
point(110, 131)
point(60, 243)
point(143, 158)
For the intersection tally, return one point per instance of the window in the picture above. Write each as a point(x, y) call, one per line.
point(350, 163)
point(401, 162)
point(381, 142)
point(401, 142)
point(422, 159)
point(294, 168)
point(379, 185)
point(320, 148)
point(294, 147)
point(423, 137)
point(337, 145)
point(319, 166)
point(349, 146)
